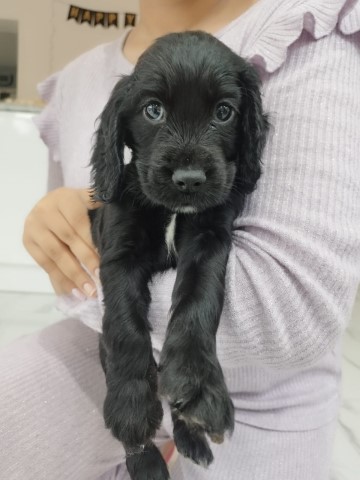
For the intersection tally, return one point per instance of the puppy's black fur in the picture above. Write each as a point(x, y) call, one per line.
point(192, 115)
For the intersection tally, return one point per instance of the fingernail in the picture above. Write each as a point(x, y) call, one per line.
point(97, 273)
point(89, 289)
point(78, 294)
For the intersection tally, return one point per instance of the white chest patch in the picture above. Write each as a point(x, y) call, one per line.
point(170, 234)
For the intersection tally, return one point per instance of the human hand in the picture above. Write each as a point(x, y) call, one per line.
point(57, 235)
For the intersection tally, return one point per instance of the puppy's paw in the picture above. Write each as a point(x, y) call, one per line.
point(133, 412)
point(147, 465)
point(210, 410)
point(198, 395)
point(192, 443)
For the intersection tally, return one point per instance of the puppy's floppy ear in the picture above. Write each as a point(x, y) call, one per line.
point(253, 129)
point(107, 161)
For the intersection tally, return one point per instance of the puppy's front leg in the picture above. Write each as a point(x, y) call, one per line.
point(190, 374)
point(132, 409)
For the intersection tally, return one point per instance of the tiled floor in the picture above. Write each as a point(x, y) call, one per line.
point(25, 313)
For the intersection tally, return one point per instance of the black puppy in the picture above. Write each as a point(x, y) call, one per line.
point(192, 115)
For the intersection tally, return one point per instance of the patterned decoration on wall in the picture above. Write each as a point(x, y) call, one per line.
point(130, 19)
point(94, 18)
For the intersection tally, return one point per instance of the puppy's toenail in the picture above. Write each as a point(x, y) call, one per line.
point(216, 438)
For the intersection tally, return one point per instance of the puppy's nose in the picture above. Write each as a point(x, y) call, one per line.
point(188, 180)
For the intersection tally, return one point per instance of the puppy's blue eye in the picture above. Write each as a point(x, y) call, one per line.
point(154, 111)
point(223, 112)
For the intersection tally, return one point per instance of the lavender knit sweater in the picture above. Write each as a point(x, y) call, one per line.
point(294, 267)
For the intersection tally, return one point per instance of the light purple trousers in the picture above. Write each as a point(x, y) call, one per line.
point(51, 426)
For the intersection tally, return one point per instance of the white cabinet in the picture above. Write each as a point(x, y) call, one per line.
point(23, 179)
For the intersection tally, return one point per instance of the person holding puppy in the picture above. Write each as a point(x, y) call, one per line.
point(292, 273)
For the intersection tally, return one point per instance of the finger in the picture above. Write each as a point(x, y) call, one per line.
point(65, 261)
point(79, 220)
point(83, 229)
point(88, 199)
point(81, 250)
point(62, 284)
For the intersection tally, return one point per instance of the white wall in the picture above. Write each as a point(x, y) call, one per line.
point(47, 40)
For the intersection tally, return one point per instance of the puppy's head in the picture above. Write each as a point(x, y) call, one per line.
point(192, 114)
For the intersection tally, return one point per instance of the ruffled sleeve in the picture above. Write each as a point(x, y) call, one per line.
point(350, 22)
point(48, 124)
point(275, 26)
point(47, 121)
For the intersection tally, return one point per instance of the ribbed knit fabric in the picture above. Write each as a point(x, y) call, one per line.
point(52, 392)
point(256, 454)
point(294, 267)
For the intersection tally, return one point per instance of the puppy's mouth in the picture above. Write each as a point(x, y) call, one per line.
point(186, 209)
point(178, 202)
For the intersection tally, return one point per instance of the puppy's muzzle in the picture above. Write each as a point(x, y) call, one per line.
point(188, 181)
